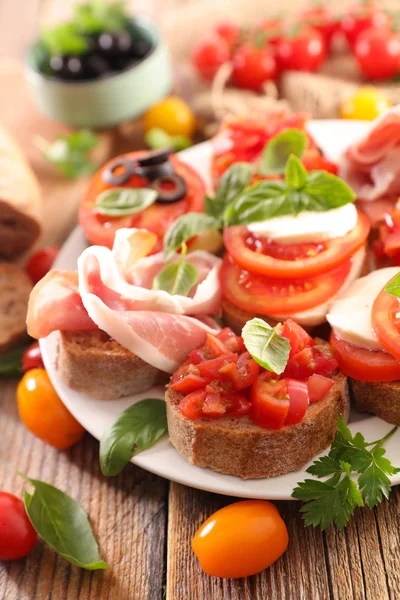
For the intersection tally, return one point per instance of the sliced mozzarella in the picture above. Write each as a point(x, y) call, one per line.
point(308, 226)
point(317, 315)
point(350, 315)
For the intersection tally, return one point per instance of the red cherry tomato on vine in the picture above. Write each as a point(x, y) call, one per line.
point(253, 66)
point(362, 16)
point(32, 358)
point(378, 53)
point(241, 539)
point(303, 51)
point(17, 536)
point(41, 262)
point(228, 31)
point(321, 18)
point(208, 56)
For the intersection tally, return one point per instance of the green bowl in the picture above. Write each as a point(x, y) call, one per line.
point(109, 100)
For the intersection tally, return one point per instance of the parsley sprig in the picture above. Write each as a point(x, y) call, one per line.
point(358, 474)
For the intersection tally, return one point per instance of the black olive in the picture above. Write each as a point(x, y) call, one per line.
point(96, 65)
point(106, 43)
point(119, 63)
point(152, 172)
point(140, 48)
point(128, 166)
point(67, 67)
point(155, 157)
point(177, 190)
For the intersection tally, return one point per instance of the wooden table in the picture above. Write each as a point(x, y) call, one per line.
point(144, 523)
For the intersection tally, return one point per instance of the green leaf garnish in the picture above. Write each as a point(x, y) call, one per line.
point(70, 153)
point(64, 39)
point(335, 500)
point(177, 278)
point(158, 138)
point(63, 524)
point(10, 363)
point(233, 182)
point(98, 16)
point(136, 429)
point(267, 347)
point(278, 150)
point(393, 287)
point(295, 173)
point(121, 201)
point(186, 227)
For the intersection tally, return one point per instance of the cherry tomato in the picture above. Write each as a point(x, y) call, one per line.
point(318, 387)
point(317, 359)
point(211, 369)
point(172, 115)
point(267, 295)
point(41, 262)
point(272, 29)
point(252, 67)
point(297, 336)
point(241, 539)
point(363, 364)
point(304, 51)
point(17, 535)
point(365, 104)
point(32, 358)
point(43, 413)
point(319, 17)
point(214, 402)
point(209, 55)
point(362, 16)
point(189, 383)
point(228, 31)
point(244, 373)
point(386, 322)
point(260, 255)
point(233, 342)
point(269, 401)
point(378, 53)
point(298, 401)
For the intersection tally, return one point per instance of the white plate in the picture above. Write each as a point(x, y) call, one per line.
point(162, 459)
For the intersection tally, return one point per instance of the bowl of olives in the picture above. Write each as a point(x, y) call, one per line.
point(100, 69)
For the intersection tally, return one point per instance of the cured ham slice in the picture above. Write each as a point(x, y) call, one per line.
point(372, 165)
point(55, 304)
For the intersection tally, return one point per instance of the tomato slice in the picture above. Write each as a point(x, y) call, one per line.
point(269, 296)
point(386, 322)
point(363, 364)
point(269, 401)
point(260, 255)
point(157, 218)
point(297, 336)
point(189, 383)
point(318, 387)
point(298, 401)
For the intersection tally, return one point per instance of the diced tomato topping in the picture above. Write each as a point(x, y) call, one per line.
point(269, 401)
point(298, 401)
point(245, 373)
point(186, 369)
point(211, 369)
point(233, 342)
point(297, 336)
point(189, 383)
point(308, 361)
point(191, 405)
point(318, 387)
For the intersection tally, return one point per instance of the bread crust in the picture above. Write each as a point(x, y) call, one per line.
point(94, 364)
point(379, 398)
point(236, 318)
point(241, 448)
point(15, 287)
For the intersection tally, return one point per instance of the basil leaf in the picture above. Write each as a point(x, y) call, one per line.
point(63, 524)
point(327, 190)
point(99, 16)
point(120, 201)
point(70, 153)
point(64, 39)
point(233, 182)
point(295, 173)
point(136, 429)
point(393, 287)
point(178, 278)
point(278, 150)
point(260, 201)
point(10, 363)
point(185, 228)
point(266, 346)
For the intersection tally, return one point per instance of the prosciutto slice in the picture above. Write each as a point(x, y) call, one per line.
point(113, 291)
point(372, 165)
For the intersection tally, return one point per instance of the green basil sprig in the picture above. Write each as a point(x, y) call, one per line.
point(268, 348)
point(393, 287)
point(278, 150)
point(177, 278)
point(136, 429)
point(121, 201)
point(70, 154)
point(10, 363)
point(233, 182)
point(63, 524)
point(185, 228)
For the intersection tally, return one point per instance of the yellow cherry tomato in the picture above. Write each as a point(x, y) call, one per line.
point(365, 104)
point(43, 413)
point(241, 539)
point(172, 115)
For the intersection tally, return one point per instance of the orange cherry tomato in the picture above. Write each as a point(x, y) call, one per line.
point(43, 413)
point(241, 539)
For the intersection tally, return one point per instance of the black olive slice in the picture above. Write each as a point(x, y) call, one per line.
point(153, 172)
point(155, 157)
point(175, 191)
point(129, 167)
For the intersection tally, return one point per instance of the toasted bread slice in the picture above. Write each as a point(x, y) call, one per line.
point(241, 448)
point(15, 287)
point(93, 363)
point(379, 398)
point(236, 318)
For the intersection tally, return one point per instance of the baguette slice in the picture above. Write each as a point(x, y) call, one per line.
point(241, 448)
point(94, 364)
point(15, 287)
point(379, 398)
